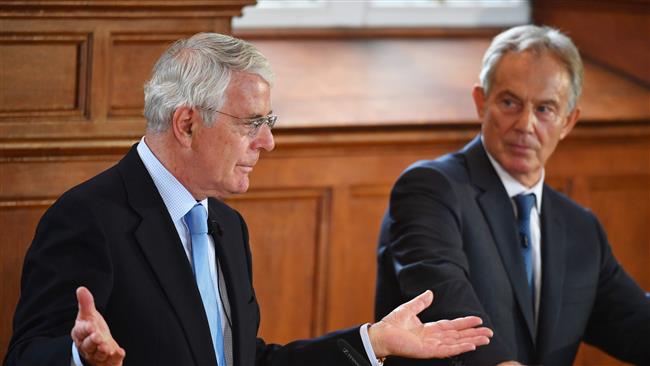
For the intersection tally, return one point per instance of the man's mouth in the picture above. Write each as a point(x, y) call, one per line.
point(246, 167)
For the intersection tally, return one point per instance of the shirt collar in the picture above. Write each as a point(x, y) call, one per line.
point(178, 200)
point(514, 187)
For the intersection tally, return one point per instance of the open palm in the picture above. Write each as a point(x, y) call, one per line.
point(401, 333)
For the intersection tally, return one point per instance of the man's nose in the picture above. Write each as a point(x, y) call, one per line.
point(527, 120)
point(264, 139)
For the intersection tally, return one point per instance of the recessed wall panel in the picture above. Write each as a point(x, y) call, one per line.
point(43, 74)
point(131, 59)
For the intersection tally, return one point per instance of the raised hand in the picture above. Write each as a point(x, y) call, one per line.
point(401, 333)
point(92, 336)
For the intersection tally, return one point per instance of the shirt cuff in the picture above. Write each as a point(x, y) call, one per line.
point(367, 346)
point(76, 359)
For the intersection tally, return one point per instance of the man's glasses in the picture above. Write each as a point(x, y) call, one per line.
point(253, 124)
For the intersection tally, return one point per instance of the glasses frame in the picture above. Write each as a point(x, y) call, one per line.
point(253, 124)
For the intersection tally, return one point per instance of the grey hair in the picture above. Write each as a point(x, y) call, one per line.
point(537, 39)
point(195, 72)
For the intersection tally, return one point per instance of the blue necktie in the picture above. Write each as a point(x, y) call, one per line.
point(524, 206)
point(197, 222)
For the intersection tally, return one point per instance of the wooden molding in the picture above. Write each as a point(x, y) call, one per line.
point(121, 8)
point(350, 137)
point(347, 33)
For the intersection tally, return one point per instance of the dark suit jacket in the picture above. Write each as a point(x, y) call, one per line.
point(450, 227)
point(114, 235)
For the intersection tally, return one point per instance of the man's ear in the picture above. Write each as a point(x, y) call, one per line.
point(478, 94)
point(183, 125)
point(569, 122)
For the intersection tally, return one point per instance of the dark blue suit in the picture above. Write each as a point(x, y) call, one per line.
point(450, 227)
point(113, 234)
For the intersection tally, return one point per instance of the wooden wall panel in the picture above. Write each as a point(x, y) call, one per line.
point(132, 56)
point(289, 247)
point(626, 196)
point(353, 281)
point(46, 72)
point(615, 33)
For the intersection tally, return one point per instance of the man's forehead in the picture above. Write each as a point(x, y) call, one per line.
point(531, 69)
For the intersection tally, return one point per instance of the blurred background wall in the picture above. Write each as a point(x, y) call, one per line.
point(360, 96)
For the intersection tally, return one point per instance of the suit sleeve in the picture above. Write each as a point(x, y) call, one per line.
point(68, 251)
point(426, 248)
point(620, 319)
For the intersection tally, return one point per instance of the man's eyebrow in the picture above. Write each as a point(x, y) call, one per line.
point(260, 116)
point(551, 101)
point(508, 93)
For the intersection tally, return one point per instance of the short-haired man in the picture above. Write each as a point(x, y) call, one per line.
point(481, 229)
point(168, 263)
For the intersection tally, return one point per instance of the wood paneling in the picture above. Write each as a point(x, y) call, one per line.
point(353, 114)
point(612, 198)
point(615, 33)
point(48, 75)
point(132, 58)
point(289, 247)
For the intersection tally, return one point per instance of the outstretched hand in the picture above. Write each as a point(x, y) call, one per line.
point(401, 333)
point(91, 334)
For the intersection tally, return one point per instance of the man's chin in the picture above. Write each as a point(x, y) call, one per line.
point(241, 186)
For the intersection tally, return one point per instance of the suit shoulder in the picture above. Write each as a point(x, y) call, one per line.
point(105, 184)
point(449, 167)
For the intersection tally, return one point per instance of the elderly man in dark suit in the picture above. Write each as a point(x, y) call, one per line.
point(168, 263)
point(481, 229)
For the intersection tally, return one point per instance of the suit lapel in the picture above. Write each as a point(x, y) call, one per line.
point(228, 251)
point(553, 264)
point(497, 210)
point(163, 250)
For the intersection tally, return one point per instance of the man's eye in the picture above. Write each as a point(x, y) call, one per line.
point(508, 103)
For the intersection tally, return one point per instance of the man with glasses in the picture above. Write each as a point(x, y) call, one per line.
point(160, 265)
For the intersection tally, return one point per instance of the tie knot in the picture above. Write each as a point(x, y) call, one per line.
point(197, 220)
point(524, 203)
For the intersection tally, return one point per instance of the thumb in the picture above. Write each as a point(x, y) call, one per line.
point(419, 303)
point(86, 303)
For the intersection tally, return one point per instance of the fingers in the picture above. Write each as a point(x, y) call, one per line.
point(456, 349)
point(80, 331)
point(475, 332)
point(109, 353)
point(419, 303)
point(91, 334)
point(461, 323)
point(116, 358)
point(458, 329)
point(98, 350)
point(89, 345)
point(86, 303)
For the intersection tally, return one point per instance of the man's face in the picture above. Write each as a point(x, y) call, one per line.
point(225, 153)
point(526, 113)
